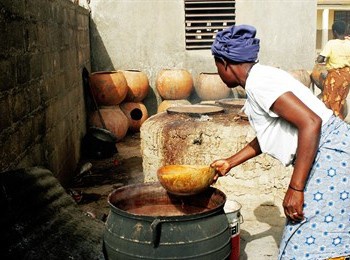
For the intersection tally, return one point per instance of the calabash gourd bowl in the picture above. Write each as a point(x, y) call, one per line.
point(185, 180)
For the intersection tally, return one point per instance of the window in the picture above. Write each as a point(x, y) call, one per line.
point(204, 18)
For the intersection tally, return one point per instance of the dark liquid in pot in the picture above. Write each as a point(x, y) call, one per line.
point(166, 210)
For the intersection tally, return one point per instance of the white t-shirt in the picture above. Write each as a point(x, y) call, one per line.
point(276, 136)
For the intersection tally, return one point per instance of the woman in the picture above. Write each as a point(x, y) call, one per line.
point(336, 54)
point(296, 128)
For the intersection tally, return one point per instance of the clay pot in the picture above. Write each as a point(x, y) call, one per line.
point(114, 118)
point(109, 87)
point(138, 85)
point(174, 84)
point(318, 75)
point(302, 75)
point(211, 87)
point(136, 114)
point(171, 103)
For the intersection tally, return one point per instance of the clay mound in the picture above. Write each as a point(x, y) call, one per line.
point(39, 220)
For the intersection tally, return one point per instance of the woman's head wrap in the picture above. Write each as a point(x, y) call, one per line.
point(237, 44)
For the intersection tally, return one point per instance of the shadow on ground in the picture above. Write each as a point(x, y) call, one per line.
point(267, 228)
point(91, 189)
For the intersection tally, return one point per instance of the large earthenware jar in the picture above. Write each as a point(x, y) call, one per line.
point(239, 92)
point(318, 75)
point(211, 87)
point(165, 104)
point(174, 84)
point(302, 75)
point(114, 119)
point(136, 112)
point(138, 85)
point(109, 87)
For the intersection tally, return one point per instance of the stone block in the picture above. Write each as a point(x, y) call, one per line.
point(19, 105)
point(34, 97)
point(4, 44)
point(5, 118)
point(23, 68)
point(8, 73)
point(13, 9)
point(36, 66)
point(38, 124)
point(31, 37)
point(10, 150)
point(16, 36)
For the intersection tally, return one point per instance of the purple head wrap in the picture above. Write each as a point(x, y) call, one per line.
point(237, 44)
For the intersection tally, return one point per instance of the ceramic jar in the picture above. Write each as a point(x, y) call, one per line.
point(109, 87)
point(114, 119)
point(210, 87)
point(136, 112)
point(165, 104)
point(138, 85)
point(174, 84)
point(318, 75)
point(302, 75)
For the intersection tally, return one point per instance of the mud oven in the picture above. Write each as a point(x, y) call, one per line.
point(197, 137)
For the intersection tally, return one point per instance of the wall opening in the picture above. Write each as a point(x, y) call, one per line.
point(204, 18)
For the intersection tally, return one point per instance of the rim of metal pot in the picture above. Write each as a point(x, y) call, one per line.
point(186, 217)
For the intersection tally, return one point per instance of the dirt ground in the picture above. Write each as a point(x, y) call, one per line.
point(91, 188)
point(259, 239)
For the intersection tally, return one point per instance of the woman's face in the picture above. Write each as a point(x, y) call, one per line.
point(226, 74)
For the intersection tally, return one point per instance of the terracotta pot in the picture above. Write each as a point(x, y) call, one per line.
point(114, 118)
point(138, 85)
point(171, 103)
point(110, 87)
point(136, 113)
point(211, 87)
point(174, 84)
point(302, 75)
point(318, 75)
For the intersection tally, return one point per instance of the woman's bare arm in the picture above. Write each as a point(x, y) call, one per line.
point(293, 110)
point(223, 166)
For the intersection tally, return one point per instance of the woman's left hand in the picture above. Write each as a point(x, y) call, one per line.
point(293, 205)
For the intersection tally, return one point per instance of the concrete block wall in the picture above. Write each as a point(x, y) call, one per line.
point(44, 46)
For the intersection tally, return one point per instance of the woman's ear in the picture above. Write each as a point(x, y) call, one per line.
point(223, 61)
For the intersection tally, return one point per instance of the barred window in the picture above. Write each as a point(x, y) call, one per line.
point(204, 18)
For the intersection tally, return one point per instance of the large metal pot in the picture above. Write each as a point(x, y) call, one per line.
point(99, 143)
point(146, 222)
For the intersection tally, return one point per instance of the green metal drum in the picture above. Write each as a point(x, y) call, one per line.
point(145, 222)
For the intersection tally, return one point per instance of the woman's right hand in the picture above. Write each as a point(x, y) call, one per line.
point(222, 167)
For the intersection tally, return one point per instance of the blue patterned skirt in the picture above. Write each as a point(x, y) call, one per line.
point(325, 231)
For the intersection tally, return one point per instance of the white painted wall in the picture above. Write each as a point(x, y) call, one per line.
point(149, 35)
point(286, 28)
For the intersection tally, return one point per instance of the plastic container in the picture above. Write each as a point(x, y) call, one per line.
point(232, 210)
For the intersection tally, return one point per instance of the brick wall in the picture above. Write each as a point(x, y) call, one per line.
point(44, 44)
